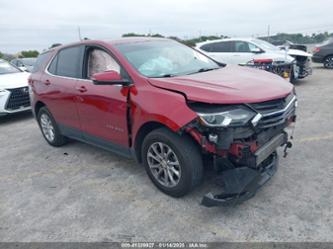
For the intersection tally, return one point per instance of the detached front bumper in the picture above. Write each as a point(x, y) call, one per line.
point(240, 184)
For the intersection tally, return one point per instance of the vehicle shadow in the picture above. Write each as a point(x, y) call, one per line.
point(17, 117)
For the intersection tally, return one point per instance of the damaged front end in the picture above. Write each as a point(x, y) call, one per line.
point(281, 68)
point(242, 141)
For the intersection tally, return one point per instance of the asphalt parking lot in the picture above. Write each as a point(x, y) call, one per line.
point(82, 193)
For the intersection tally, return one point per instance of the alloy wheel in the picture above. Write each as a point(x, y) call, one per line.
point(329, 62)
point(164, 164)
point(47, 127)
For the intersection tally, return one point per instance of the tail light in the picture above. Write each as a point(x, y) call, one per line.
point(316, 50)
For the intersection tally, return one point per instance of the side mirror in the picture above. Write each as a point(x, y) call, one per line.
point(109, 78)
point(257, 51)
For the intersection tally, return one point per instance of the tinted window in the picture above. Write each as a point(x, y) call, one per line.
point(253, 47)
point(28, 61)
point(42, 59)
point(53, 66)
point(14, 62)
point(69, 62)
point(218, 47)
point(207, 47)
point(242, 47)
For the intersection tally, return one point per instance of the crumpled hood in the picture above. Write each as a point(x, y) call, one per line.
point(229, 85)
point(14, 80)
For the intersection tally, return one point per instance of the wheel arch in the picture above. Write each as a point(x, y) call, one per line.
point(326, 56)
point(143, 131)
point(39, 104)
point(148, 127)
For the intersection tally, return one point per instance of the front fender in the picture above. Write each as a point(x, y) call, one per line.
point(152, 104)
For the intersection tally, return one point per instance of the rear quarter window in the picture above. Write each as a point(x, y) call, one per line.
point(53, 66)
point(41, 61)
point(68, 62)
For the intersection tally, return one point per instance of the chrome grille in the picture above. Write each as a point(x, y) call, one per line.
point(18, 98)
point(275, 112)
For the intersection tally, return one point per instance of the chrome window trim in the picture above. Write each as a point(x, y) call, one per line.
point(46, 70)
point(282, 110)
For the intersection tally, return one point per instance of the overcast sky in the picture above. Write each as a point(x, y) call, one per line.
point(36, 24)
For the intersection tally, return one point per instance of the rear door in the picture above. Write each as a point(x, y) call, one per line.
point(102, 108)
point(59, 82)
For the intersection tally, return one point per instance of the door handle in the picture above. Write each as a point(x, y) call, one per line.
point(47, 82)
point(81, 89)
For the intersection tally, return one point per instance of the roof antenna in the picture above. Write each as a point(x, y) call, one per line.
point(79, 32)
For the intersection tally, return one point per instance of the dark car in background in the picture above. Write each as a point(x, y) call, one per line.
point(324, 54)
point(25, 64)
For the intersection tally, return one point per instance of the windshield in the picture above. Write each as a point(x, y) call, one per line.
point(6, 68)
point(265, 45)
point(165, 58)
point(29, 61)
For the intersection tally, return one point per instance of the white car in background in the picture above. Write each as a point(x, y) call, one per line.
point(246, 50)
point(14, 91)
point(25, 64)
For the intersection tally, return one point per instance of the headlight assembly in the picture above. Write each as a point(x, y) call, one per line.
point(238, 116)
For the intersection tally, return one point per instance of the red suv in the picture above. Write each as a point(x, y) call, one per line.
point(168, 106)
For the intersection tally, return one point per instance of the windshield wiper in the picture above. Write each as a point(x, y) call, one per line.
point(204, 69)
point(167, 75)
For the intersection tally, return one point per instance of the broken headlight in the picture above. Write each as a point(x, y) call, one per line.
point(238, 116)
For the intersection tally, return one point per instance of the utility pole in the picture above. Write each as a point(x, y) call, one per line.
point(79, 32)
point(268, 31)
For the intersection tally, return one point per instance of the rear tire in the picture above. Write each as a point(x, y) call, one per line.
point(328, 62)
point(172, 162)
point(49, 128)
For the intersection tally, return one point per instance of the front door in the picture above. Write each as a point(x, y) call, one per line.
point(102, 108)
point(241, 53)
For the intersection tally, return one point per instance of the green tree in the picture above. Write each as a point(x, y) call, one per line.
point(30, 53)
point(299, 38)
point(157, 35)
point(142, 35)
point(1, 55)
point(133, 35)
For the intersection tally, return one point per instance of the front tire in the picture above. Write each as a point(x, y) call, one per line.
point(172, 162)
point(49, 128)
point(328, 62)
